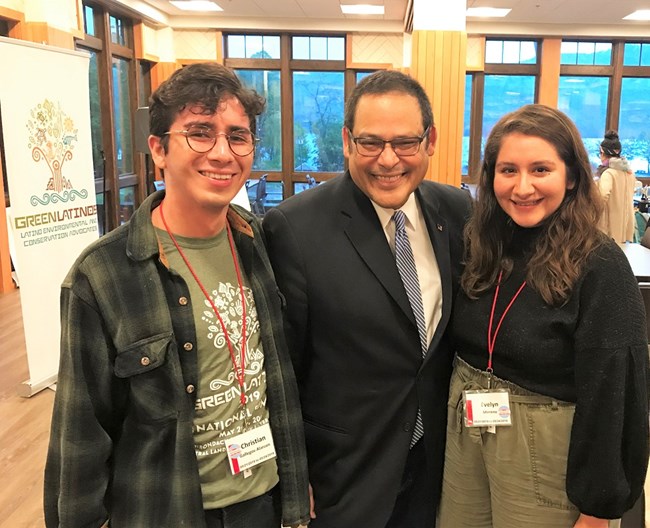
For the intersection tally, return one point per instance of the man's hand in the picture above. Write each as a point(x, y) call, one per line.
point(312, 511)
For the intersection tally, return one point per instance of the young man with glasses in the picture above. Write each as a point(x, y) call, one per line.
point(372, 361)
point(176, 402)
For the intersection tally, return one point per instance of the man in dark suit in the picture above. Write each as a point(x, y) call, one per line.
point(353, 336)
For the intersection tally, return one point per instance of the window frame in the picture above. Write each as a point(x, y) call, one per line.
point(287, 66)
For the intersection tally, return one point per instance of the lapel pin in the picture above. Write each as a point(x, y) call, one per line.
point(439, 227)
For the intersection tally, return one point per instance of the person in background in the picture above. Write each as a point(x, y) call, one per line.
point(176, 403)
point(548, 404)
point(353, 332)
point(616, 185)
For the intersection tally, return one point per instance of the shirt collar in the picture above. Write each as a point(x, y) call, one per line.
point(410, 210)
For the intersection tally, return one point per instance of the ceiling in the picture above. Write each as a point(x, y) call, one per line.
point(551, 17)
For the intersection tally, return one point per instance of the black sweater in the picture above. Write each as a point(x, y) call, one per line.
point(593, 351)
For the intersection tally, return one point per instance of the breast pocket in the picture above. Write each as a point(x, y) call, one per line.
point(154, 374)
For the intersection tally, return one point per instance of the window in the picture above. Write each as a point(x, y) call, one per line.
point(89, 20)
point(586, 53)
point(268, 154)
point(633, 128)
point(318, 118)
point(253, 46)
point(119, 173)
point(511, 52)
point(318, 48)
point(361, 74)
point(636, 54)
point(509, 80)
point(118, 31)
point(300, 130)
point(467, 124)
point(584, 100)
point(503, 94)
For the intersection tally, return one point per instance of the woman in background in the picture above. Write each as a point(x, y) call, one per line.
point(548, 405)
point(616, 185)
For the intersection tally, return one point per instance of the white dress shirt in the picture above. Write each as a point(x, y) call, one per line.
point(425, 259)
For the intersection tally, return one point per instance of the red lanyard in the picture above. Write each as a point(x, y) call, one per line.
point(239, 371)
point(493, 337)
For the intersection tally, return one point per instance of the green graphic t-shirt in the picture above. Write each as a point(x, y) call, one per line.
point(218, 411)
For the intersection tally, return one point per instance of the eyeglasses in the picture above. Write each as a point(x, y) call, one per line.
point(203, 139)
point(403, 146)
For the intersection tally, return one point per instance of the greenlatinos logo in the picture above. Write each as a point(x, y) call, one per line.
point(52, 136)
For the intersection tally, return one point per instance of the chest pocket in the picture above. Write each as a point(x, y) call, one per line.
point(151, 365)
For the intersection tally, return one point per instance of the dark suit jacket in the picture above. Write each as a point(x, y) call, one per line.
point(355, 347)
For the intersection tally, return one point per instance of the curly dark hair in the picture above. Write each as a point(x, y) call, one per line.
point(569, 235)
point(202, 86)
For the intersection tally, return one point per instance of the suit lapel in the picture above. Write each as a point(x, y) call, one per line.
point(439, 235)
point(361, 226)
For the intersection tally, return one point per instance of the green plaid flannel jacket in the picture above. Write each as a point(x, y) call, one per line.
point(121, 447)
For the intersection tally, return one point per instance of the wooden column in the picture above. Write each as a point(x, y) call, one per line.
point(438, 61)
point(549, 77)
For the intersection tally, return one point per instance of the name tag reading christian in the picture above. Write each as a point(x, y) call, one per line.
point(485, 408)
point(249, 449)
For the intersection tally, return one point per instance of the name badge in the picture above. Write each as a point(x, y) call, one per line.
point(486, 408)
point(249, 449)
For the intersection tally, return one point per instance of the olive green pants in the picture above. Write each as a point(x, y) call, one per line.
point(515, 477)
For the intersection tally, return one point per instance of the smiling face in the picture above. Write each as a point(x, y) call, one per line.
point(200, 187)
point(388, 179)
point(530, 179)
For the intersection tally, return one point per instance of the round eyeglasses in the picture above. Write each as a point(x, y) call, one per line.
point(203, 139)
point(402, 146)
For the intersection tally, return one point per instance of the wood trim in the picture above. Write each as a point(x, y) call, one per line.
point(6, 282)
point(138, 40)
point(549, 74)
point(317, 65)
point(16, 22)
point(161, 71)
point(286, 114)
point(42, 33)
point(511, 69)
point(11, 14)
point(370, 66)
point(220, 52)
point(586, 71)
point(615, 88)
point(253, 64)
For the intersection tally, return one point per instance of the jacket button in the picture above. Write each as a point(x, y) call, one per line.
point(189, 389)
point(183, 301)
point(406, 427)
point(145, 361)
point(188, 346)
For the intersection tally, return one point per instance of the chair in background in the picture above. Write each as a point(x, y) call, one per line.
point(645, 238)
point(257, 204)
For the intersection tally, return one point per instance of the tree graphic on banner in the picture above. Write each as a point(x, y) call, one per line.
point(51, 138)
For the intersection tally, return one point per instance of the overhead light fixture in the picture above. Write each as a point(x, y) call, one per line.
point(195, 5)
point(362, 9)
point(641, 14)
point(486, 12)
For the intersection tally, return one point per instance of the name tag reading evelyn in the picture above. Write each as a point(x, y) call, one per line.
point(486, 408)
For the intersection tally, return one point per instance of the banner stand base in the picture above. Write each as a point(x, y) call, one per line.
point(26, 389)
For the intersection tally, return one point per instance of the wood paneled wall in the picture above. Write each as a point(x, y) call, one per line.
point(438, 62)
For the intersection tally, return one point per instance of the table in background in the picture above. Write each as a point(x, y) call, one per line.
point(639, 258)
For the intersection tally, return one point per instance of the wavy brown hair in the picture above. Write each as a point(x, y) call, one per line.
point(569, 235)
